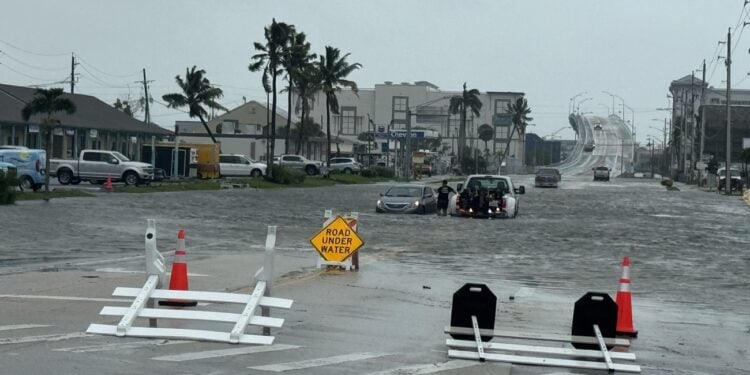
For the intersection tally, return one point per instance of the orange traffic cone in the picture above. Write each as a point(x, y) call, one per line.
point(179, 278)
point(108, 185)
point(624, 306)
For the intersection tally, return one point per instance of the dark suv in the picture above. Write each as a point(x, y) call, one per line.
point(601, 173)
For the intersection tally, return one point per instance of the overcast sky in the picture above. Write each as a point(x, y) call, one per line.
point(551, 50)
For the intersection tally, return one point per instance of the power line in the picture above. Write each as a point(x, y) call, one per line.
point(99, 80)
point(105, 73)
point(32, 66)
point(47, 80)
point(35, 53)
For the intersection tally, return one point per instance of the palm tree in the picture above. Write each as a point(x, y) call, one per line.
point(196, 94)
point(519, 117)
point(460, 104)
point(49, 102)
point(333, 70)
point(295, 59)
point(269, 60)
point(308, 84)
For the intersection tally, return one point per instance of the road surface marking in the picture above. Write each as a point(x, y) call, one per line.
point(121, 346)
point(43, 338)
point(21, 326)
point(223, 353)
point(429, 368)
point(281, 367)
point(63, 298)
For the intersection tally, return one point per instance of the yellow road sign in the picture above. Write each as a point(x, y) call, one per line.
point(337, 241)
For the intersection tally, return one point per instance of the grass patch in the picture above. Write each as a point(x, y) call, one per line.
point(167, 186)
point(39, 195)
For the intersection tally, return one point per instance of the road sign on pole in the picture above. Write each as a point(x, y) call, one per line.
point(337, 241)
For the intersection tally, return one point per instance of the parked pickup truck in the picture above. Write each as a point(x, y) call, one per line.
point(488, 196)
point(96, 165)
point(311, 167)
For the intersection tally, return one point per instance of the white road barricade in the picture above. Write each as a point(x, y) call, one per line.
point(143, 304)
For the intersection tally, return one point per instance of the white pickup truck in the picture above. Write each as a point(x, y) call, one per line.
point(96, 165)
point(490, 196)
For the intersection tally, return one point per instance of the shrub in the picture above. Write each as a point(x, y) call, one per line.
point(369, 173)
point(7, 188)
point(287, 176)
point(379, 171)
point(667, 182)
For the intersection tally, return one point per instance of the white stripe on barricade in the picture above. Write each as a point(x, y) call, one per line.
point(143, 306)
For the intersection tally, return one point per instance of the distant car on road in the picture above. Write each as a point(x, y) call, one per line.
point(601, 173)
point(239, 165)
point(98, 165)
point(407, 199)
point(589, 146)
point(346, 165)
point(597, 126)
point(547, 177)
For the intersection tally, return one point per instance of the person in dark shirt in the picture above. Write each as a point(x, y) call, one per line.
point(444, 193)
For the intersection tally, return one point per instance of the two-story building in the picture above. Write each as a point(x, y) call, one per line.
point(699, 116)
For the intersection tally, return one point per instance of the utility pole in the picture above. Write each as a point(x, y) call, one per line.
point(692, 125)
point(703, 122)
point(728, 61)
point(407, 153)
point(73, 73)
point(145, 83)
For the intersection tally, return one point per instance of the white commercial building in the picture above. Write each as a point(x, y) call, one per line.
point(383, 110)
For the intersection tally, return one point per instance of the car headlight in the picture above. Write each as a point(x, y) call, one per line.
point(380, 203)
point(415, 204)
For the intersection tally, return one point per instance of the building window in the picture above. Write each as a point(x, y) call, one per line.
point(502, 132)
point(501, 106)
point(348, 120)
point(400, 105)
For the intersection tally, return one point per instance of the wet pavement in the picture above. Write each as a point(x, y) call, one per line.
point(689, 252)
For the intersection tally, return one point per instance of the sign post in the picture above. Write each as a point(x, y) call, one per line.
point(338, 241)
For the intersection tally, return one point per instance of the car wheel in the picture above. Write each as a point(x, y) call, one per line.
point(75, 181)
point(256, 173)
point(347, 170)
point(130, 178)
point(26, 183)
point(311, 170)
point(64, 176)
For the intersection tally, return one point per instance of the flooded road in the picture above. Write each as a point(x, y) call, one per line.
point(689, 252)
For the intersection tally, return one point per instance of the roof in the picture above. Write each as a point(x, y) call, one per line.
point(688, 80)
point(505, 93)
point(91, 113)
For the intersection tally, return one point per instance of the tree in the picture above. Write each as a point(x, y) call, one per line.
point(123, 106)
point(486, 133)
point(308, 84)
point(333, 70)
point(296, 58)
point(197, 93)
point(460, 104)
point(519, 112)
point(269, 60)
point(304, 130)
point(48, 102)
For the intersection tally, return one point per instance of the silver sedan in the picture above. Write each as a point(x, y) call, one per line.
point(407, 199)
